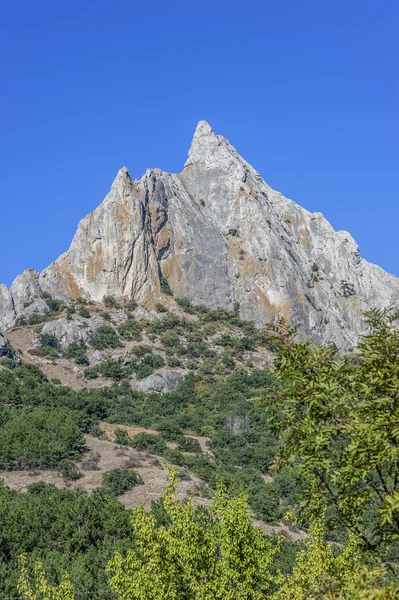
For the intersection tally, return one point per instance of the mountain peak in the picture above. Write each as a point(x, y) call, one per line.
point(203, 129)
point(222, 238)
point(121, 177)
point(203, 144)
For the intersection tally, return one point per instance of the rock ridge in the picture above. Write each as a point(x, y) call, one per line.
point(220, 236)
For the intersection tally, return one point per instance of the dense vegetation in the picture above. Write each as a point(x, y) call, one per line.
point(324, 427)
point(66, 530)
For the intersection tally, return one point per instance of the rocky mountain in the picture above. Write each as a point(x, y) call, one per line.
point(220, 236)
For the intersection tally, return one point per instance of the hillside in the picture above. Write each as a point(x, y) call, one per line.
point(152, 376)
point(73, 411)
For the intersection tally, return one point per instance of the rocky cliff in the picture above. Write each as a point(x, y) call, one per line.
point(220, 236)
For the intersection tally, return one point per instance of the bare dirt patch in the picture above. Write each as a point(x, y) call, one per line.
point(151, 468)
point(24, 339)
point(110, 428)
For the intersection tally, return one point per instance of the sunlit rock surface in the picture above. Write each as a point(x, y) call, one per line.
point(219, 235)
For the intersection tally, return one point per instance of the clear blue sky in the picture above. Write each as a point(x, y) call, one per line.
point(306, 90)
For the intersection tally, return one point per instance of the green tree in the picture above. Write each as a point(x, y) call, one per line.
point(200, 555)
point(339, 420)
point(40, 589)
point(119, 481)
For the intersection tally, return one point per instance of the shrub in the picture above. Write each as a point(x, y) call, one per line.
point(148, 363)
point(119, 481)
point(142, 371)
point(48, 340)
point(77, 352)
point(130, 329)
point(228, 361)
point(104, 337)
point(122, 437)
point(110, 302)
point(153, 360)
point(38, 438)
point(112, 369)
point(142, 350)
point(186, 305)
point(165, 287)
point(130, 304)
point(174, 362)
point(161, 308)
point(50, 345)
point(53, 304)
point(170, 431)
point(148, 441)
point(196, 349)
point(91, 373)
point(68, 470)
point(105, 315)
point(189, 444)
point(170, 339)
point(245, 343)
point(84, 312)
point(91, 463)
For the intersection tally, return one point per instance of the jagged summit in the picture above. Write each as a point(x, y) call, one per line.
point(208, 148)
point(220, 236)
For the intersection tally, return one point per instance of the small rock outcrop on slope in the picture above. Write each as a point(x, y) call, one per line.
point(219, 235)
point(161, 381)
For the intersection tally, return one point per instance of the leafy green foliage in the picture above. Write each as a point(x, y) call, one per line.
point(54, 304)
point(165, 287)
point(50, 344)
point(119, 481)
point(216, 554)
point(104, 337)
point(112, 369)
point(161, 308)
point(148, 441)
point(189, 444)
point(130, 329)
point(68, 470)
point(338, 418)
point(66, 530)
point(40, 588)
point(122, 437)
point(110, 302)
point(38, 438)
point(77, 352)
point(336, 421)
point(84, 312)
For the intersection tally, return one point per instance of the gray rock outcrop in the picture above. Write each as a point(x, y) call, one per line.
point(3, 345)
point(69, 331)
point(219, 235)
point(161, 381)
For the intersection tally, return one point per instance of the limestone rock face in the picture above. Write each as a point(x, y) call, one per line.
point(27, 295)
point(219, 235)
point(3, 345)
point(7, 312)
point(161, 381)
point(68, 331)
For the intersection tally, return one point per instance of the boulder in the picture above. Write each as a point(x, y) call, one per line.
point(27, 295)
point(160, 381)
point(96, 358)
